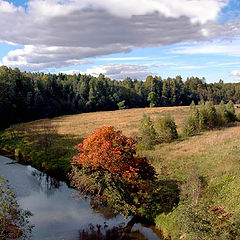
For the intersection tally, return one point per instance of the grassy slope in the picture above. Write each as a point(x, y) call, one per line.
point(216, 154)
point(66, 131)
point(125, 120)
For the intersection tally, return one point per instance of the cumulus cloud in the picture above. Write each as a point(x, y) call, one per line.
point(117, 71)
point(57, 33)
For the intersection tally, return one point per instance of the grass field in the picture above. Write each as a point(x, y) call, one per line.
point(127, 121)
point(214, 154)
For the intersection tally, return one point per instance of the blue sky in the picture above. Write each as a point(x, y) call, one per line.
point(120, 39)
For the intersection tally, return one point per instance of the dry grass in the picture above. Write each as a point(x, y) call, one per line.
point(210, 152)
point(82, 125)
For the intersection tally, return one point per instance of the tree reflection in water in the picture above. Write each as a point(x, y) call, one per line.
point(47, 184)
point(102, 232)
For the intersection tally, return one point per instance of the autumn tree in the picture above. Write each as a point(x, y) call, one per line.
point(107, 170)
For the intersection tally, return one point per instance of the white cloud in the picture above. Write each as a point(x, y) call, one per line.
point(6, 7)
point(59, 33)
point(193, 9)
point(235, 73)
point(224, 47)
point(116, 71)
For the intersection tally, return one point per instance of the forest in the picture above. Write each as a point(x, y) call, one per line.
point(29, 96)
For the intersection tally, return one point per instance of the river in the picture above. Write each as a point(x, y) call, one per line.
point(57, 214)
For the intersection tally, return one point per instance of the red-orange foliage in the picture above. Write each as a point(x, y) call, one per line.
point(107, 170)
point(111, 151)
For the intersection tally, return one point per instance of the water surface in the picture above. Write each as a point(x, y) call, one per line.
point(56, 213)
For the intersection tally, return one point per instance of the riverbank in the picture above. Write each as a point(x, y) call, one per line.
point(49, 144)
point(43, 149)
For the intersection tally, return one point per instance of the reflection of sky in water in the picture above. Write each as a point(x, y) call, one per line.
point(57, 215)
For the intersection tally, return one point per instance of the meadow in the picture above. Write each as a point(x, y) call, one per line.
point(127, 120)
point(213, 155)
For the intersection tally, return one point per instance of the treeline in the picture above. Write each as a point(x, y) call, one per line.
point(29, 96)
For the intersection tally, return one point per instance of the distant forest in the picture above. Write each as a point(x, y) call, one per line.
point(28, 96)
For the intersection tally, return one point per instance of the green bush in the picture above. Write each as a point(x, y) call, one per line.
point(231, 114)
point(152, 105)
point(166, 129)
point(147, 134)
point(222, 114)
point(192, 126)
point(207, 116)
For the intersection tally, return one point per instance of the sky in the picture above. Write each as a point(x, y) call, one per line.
point(120, 39)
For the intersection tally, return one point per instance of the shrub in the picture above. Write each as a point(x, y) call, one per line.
point(166, 129)
point(147, 134)
point(231, 114)
point(222, 114)
point(207, 116)
point(192, 126)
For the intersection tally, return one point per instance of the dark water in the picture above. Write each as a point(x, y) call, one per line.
point(57, 214)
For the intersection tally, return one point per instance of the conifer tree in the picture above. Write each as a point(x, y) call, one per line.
point(147, 133)
point(166, 129)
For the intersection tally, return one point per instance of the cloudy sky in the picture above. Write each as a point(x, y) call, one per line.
point(119, 38)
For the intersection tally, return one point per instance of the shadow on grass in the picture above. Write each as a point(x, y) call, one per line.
point(40, 146)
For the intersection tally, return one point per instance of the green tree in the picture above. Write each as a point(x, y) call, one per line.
point(147, 133)
point(153, 99)
point(166, 129)
point(231, 114)
point(222, 114)
point(207, 116)
point(192, 126)
point(121, 105)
